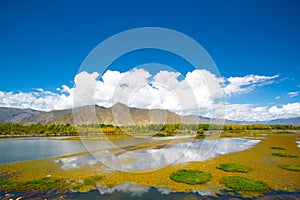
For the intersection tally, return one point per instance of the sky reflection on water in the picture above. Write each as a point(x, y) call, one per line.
point(156, 158)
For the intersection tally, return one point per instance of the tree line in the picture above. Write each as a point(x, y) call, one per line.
point(168, 129)
point(46, 129)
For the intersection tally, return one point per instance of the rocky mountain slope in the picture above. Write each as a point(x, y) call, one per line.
point(118, 114)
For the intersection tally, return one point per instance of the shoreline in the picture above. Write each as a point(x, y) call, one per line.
point(98, 135)
point(93, 194)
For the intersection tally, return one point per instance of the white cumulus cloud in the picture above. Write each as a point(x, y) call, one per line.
point(248, 112)
point(37, 100)
point(199, 92)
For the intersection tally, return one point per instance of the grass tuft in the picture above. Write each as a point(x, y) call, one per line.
point(290, 167)
point(240, 183)
point(232, 167)
point(277, 148)
point(285, 155)
point(191, 177)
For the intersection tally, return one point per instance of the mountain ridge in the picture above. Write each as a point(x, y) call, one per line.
point(118, 114)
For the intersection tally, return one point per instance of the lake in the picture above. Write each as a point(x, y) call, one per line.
point(22, 149)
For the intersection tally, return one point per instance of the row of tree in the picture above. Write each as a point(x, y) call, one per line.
point(9, 128)
point(260, 127)
point(111, 129)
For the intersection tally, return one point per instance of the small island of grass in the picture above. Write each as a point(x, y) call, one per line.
point(285, 155)
point(291, 167)
point(190, 176)
point(232, 167)
point(277, 148)
point(240, 183)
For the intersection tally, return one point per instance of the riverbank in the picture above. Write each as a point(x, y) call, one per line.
point(260, 158)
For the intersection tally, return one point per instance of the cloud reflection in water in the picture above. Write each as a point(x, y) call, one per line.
point(156, 158)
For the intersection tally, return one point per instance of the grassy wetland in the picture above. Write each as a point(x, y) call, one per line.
point(257, 165)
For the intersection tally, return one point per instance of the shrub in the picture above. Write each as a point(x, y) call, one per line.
point(190, 176)
point(240, 183)
point(285, 155)
point(200, 134)
point(160, 134)
point(232, 167)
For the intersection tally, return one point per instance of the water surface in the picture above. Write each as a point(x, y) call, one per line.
point(32, 148)
point(151, 159)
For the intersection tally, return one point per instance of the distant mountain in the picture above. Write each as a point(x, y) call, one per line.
point(295, 121)
point(16, 114)
point(118, 114)
point(44, 117)
point(292, 121)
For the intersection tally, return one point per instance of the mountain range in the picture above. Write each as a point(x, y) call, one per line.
point(118, 114)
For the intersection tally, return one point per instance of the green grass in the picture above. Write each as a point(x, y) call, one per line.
point(37, 185)
point(232, 167)
point(191, 177)
point(44, 184)
point(240, 183)
point(163, 134)
point(277, 148)
point(290, 167)
point(90, 181)
point(285, 155)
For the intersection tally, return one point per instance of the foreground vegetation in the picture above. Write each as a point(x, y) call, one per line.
point(277, 148)
point(190, 176)
point(240, 183)
point(285, 155)
point(46, 183)
point(291, 167)
point(232, 167)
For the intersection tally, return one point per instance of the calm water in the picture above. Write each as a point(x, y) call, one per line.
point(151, 194)
point(21, 149)
point(152, 159)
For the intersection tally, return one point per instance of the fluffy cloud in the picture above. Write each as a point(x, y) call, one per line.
point(85, 85)
point(248, 112)
point(286, 111)
point(199, 92)
point(238, 85)
point(38, 100)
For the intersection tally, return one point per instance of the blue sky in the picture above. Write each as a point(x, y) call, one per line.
point(43, 43)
